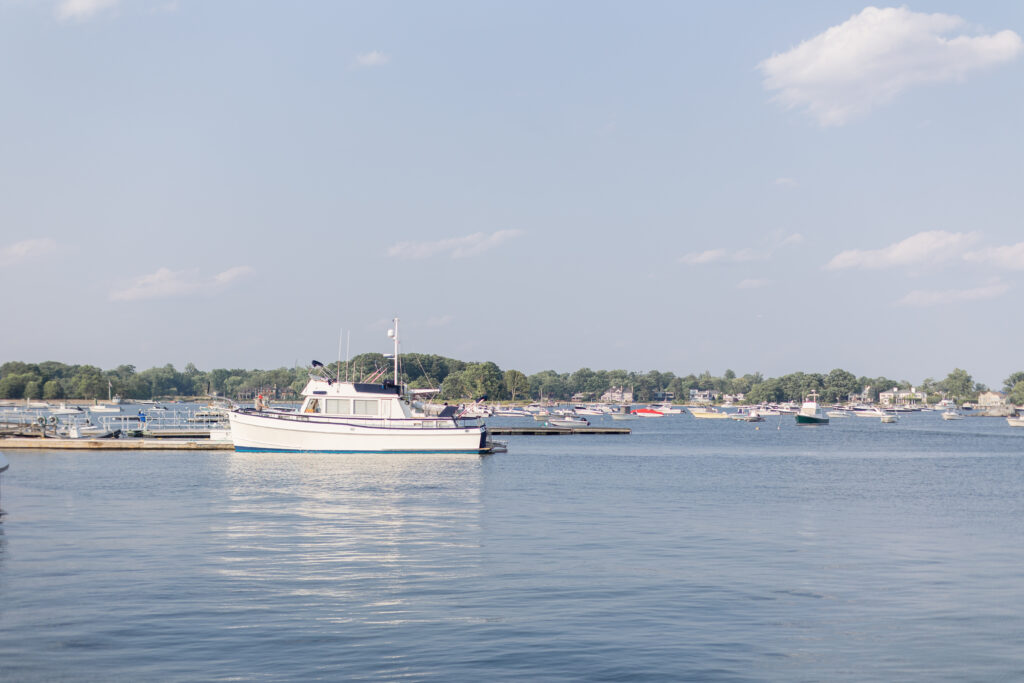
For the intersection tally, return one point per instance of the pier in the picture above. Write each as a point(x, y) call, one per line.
point(544, 430)
point(115, 444)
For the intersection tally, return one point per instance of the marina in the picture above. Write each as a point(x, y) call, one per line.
point(660, 529)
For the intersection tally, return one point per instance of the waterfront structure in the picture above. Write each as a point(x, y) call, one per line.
point(902, 397)
point(991, 399)
point(617, 395)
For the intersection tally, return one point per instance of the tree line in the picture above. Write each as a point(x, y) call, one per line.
point(460, 381)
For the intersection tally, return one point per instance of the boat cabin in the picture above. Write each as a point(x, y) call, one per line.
point(355, 399)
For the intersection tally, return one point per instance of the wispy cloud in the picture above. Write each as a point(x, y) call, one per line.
point(932, 246)
point(25, 250)
point(82, 9)
point(1009, 257)
point(166, 283)
point(874, 56)
point(700, 258)
point(937, 297)
point(455, 247)
point(720, 255)
point(370, 59)
point(752, 283)
point(786, 182)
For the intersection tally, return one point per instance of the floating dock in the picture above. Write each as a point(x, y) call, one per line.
point(543, 430)
point(115, 444)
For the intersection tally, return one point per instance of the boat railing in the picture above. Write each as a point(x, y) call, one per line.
point(360, 421)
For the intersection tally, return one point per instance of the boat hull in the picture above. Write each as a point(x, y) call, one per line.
point(267, 433)
point(811, 420)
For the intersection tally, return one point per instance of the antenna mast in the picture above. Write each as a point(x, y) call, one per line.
point(393, 333)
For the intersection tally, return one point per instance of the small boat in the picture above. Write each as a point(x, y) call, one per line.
point(666, 408)
point(648, 412)
point(1015, 421)
point(708, 413)
point(838, 413)
point(568, 421)
point(586, 410)
point(624, 413)
point(810, 413)
point(890, 418)
point(952, 414)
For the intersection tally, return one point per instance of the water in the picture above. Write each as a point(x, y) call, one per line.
point(691, 549)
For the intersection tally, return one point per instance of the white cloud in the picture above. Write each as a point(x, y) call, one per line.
point(935, 297)
point(723, 256)
point(26, 249)
point(374, 58)
point(752, 283)
point(166, 283)
point(786, 240)
point(82, 9)
point(776, 240)
point(786, 182)
point(455, 247)
point(231, 274)
point(1010, 257)
point(931, 246)
point(876, 55)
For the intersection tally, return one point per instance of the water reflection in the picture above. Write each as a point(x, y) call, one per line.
point(352, 537)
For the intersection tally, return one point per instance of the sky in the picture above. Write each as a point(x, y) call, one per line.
point(762, 187)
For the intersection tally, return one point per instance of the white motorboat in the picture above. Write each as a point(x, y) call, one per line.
point(568, 421)
point(890, 418)
point(587, 410)
point(1015, 421)
point(864, 411)
point(952, 414)
point(667, 408)
point(810, 412)
point(356, 417)
point(838, 413)
point(708, 413)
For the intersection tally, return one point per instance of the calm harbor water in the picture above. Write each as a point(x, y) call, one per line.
point(690, 549)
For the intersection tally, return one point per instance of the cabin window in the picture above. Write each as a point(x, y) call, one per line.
point(313, 406)
point(339, 406)
point(364, 407)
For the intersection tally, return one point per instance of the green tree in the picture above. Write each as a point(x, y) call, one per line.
point(1012, 381)
point(483, 379)
point(52, 390)
point(33, 389)
point(1016, 394)
point(454, 387)
point(959, 385)
point(515, 383)
point(839, 384)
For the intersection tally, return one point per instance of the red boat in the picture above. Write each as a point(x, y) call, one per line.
point(647, 412)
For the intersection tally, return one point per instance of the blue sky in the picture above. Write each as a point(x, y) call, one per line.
point(677, 186)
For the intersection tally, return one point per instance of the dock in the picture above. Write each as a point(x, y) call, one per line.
point(544, 430)
point(115, 444)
